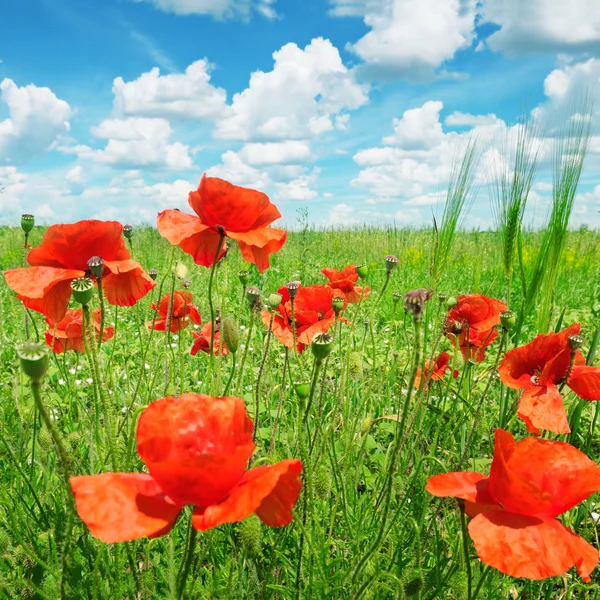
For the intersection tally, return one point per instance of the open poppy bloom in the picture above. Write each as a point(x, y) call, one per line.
point(312, 310)
point(538, 368)
point(67, 334)
point(62, 256)
point(345, 281)
point(202, 342)
point(440, 365)
point(242, 214)
point(196, 448)
point(513, 511)
point(181, 309)
point(471, 324)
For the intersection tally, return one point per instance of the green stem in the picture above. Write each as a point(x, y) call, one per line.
point(259, 376)
point(187, 563)
point(293, 303)
point(250, 328)
point(210, 298)
point(230, 375)
point(101, 298)
point(465, 536)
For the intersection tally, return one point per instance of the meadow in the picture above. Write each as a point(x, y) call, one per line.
point(367, 436)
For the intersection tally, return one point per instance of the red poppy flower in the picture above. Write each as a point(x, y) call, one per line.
point(312, 310)
point(181, 309)
point(344, 281)
point(67, 334)
point(538, 368)
point(202, 342)
point(196, 448)
point(241, 212)
point(513, 511)
point(62, 256)
point(440, 365)
point(472, 323)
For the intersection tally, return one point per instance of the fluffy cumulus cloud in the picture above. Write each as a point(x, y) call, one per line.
point(182, 96)
point(543, 25)
point(308, 92)
point(234, 169)
point(276, 153)
point(410, 38)
point(219, 9)
point(36, 120)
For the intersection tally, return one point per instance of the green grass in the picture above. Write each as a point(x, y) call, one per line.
point(344, 553)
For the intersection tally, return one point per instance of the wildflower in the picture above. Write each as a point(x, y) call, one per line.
point(181, 308)
point(471, 323)
point(67, 334)
point(538, 368)
point(440, 365)
point(62, 256)
point(345, 281)
point(202, 341)
point(513, 511)
point(221, 209)
point(196, 448)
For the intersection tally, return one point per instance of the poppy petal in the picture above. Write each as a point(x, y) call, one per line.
point(321, 326)
point(543, 408)
point(585, 382)
point(44, 289)
point(177, 226)
point(126, 283)
point(270, 492)
point(524, 546)
point(465, 485)
point(118, 507)
point(257, 245)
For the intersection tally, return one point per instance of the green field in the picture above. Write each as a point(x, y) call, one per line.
point(357, 532)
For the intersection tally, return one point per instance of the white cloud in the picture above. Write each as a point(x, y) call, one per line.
point(297, 189)
point(306, 94)
point(75, 180)
point(272, 153)
point(234, 169)
point(419, 128)
point(341, 215)
point(219, 9)
point(186, 96)
point(460, 119)
point(561, 84)
point(37, 119)
point(410, 38)
point(543, 25)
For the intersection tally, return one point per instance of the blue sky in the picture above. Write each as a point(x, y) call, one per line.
point(354, 109)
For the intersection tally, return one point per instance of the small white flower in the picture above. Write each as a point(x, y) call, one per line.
point(249, 388)
point(79, 367)
point(387, 329)
point(175, 336)
point(242, 327)
point(78, 382)
point(124, 410)
point(61, 382)
point(282, 355)
point(242, 346)
point(250, 348)
point(199, 383)
point(196, 326)
point(595, 516)
point(124, 375)
point(146, 366)
point(173, 345)
point(72, 371)
point(89, 380)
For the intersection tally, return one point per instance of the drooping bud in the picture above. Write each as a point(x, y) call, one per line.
point(338, 305)
point(575, 342)
point(153, 274)
point(322, 345)
point(302, 390)
point(322, 483)
point(96, 266)
point(442, 297)
point(451, 302)
point(128, 231)
point(230, 333)
point(391, 262)
point(83, 290)
point(250, 535)
point(252, 295)
point(180, 271)
point(508, 319)
point(414, 302)
point(243, 276)
point(34, 359)
point(27, 222)
point(274, 300)
point(362, 271)
point(292, 288)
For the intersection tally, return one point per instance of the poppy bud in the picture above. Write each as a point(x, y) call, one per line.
point(230, 333)
point(153, 274)
point(83, 290)
point(292, 288)
point(414, 302)
point(250, 535)
point(391, 262)
point(243, 276)
point(451, 302)
point(442, 297)
point(27, 223)
point(302, 390)
point(252, 295)
point(322, 483)
point(34, 359)
point(96, 266)
point(274, 300)
point(128, 231)
point(322, 345)
point(355, 366)
point(575, 342)
point(508, 319)
point(338, 305)
point(362, 271)
point(396, 297)
point(181, 271)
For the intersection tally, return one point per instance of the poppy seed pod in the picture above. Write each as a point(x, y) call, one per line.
point(96, 266)
point(243, 276)
point(83, 290)
point(363, 271)
point(396, 296)
point(575, 342)
point(391, 262)
point(414, 302)
point(338, 305)
point(292, 288)
point(451, 302)
point(508, 319)
point(153, 274)
point(274, 300)
point(230, 333)
point(34, 359)
point(322, 345)
point(128, 231)
point(27, 222)
point(302, 390)
point(252, 295)
point(442, 297)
